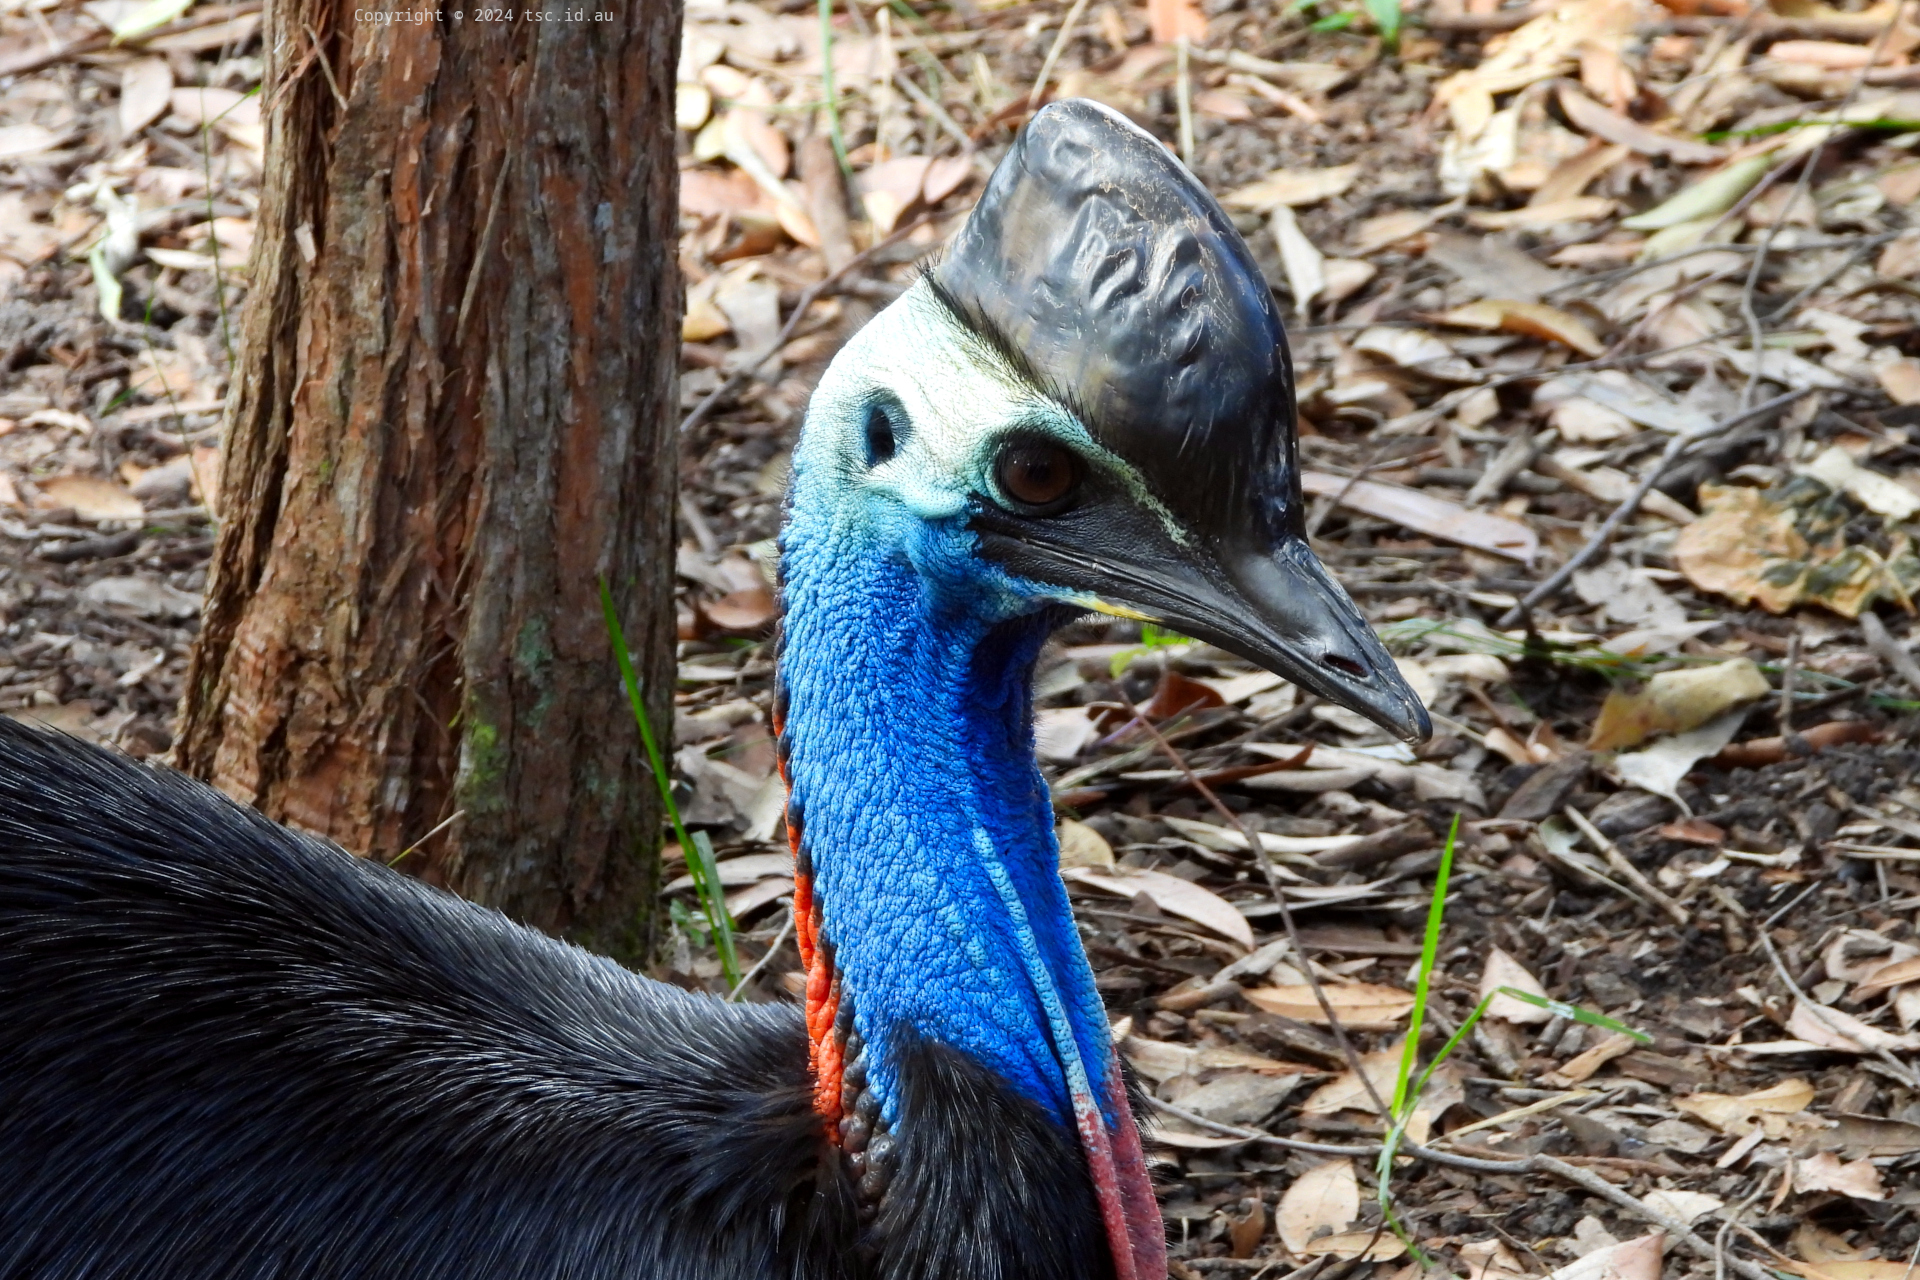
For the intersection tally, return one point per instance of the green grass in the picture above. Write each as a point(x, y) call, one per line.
point(1408, 1087)
point(697, 848)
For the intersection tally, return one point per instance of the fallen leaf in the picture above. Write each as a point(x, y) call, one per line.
point(1660, 767)
point(1491, 1260)
point(1062, 733)
point(1583, 1066)
point(1171, 20)
point(1502, 970)
point(1322, 1201)
point(1160, 1060)
point(1361, 1006)
point(1543, 217)
point(1240, 1097)
point(1595, 119)
point(1535, 319)
point(744, 611)
point(1740, 1114)
point(91, 498)
point(18, 140)
point(1543, 47)
point(146, 92)
point(1223, 104)
point(1304, 264)
point(1831, 1029)
point(1172, 895)
point(1861, 1270)
point(1900, 379)
point(1886, 977)
point(1675, 702)
point(1292, 187)
point(1882, 495)
point(1787, 545)
point(1424, 513)
point(1082, 846)
point(1687, 1206)
point(148, 597)
point(1391, 228)
point(1630, 1260)
point(1417, 351)
point(1828, 1172)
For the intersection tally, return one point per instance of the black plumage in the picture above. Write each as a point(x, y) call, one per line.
point(231, 1050)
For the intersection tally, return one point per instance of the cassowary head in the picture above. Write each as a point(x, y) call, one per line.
point(1090, 403)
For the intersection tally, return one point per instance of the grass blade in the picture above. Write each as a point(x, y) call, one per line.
point(698, 849)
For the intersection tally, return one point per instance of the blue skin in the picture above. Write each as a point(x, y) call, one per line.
point(907, 666)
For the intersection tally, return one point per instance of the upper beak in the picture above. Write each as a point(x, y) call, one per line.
point(1278, 608)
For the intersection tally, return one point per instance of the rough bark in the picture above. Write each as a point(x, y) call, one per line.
point(453, 417)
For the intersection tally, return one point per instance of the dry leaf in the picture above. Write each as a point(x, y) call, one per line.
point(1172, 895)
point(1305, 265)
point(1544, 216)
point(1766, 1110)
point(1616, 128)
point(1879, 494)
point(1392, 228)
point(1082, 846)
point(18, 140)
point(1535, 319)
point(749, 610)
point(1543, 47)
point(1630, 1260)
point(146, 92)
point(1860, 1270)
point(1363, 1006)
point(1831, 1029)
point(1785, 546)
point(91, 498)
point(1322, 1201)
point(1886, 977)
point(1828, 1172)
point(1583, 1066)
point(1502, 970)
point(1171, 20)
point(1424, 513)
point(1491, 1260)
point(1687, 1206)
point(1676, 701)
point(1292, 187)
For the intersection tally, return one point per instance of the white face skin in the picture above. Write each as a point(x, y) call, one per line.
point(959, 402)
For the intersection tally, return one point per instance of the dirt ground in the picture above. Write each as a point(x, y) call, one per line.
point(1526, 256)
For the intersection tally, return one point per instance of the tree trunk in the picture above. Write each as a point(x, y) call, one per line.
point(453, 416)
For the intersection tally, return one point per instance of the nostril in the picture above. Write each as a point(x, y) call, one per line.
point(1344, 665)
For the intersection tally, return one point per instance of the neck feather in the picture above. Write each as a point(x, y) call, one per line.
point(925, 828)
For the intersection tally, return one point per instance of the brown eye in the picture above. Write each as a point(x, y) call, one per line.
point(1036, 475)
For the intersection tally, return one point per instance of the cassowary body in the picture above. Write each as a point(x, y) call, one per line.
point(228, 1050)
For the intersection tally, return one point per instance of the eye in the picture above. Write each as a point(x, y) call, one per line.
point(882, 440)
point(1037, 474)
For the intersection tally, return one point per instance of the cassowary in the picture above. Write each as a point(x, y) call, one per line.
point(228, 1050)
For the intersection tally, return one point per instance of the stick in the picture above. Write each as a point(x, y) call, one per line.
point(1053, 54)
point(1604, 534)
point(1889, 650)
point(1628, 872)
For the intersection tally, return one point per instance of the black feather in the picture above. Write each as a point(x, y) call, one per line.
point(231, 1050)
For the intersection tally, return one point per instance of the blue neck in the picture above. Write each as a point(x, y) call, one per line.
point(908, 730)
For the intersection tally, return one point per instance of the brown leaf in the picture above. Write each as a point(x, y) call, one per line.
point(1888, 976)
point(1535, 319)
point(1502, 970)
point(750, 610)
point(1694, 831)
point(1292, 187)
point(1172, 895)
point(146, 92)
point(1766, 1109)
point(1176, 694)
point(1322, 1201)
point(1424, 513)
point(1825, 1171)
point(1245, 1231)
point(1171, 20)
point(1583, 1066)
point(1616, 128)
point(1362, 1006)
point(1676, 701)
point(1630, 1260)
point(91, 498)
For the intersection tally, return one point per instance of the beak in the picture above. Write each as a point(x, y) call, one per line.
point(1276, 607)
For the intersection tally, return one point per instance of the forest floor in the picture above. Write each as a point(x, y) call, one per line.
point(1657, 589)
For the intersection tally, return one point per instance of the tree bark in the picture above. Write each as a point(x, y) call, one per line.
point(453, 416)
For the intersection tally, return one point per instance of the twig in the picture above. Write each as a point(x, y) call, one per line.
point(1053, 54)
point(938, 113)
point(1628, 872)
point(1592, 1183)
point(1889, 650)
point(1183, 98)
point(827, 90)
point(1631, 503)
point(743, 375)
point(448, 821)
point(760, 964)
point(1788, 674)
point(1259, 850)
